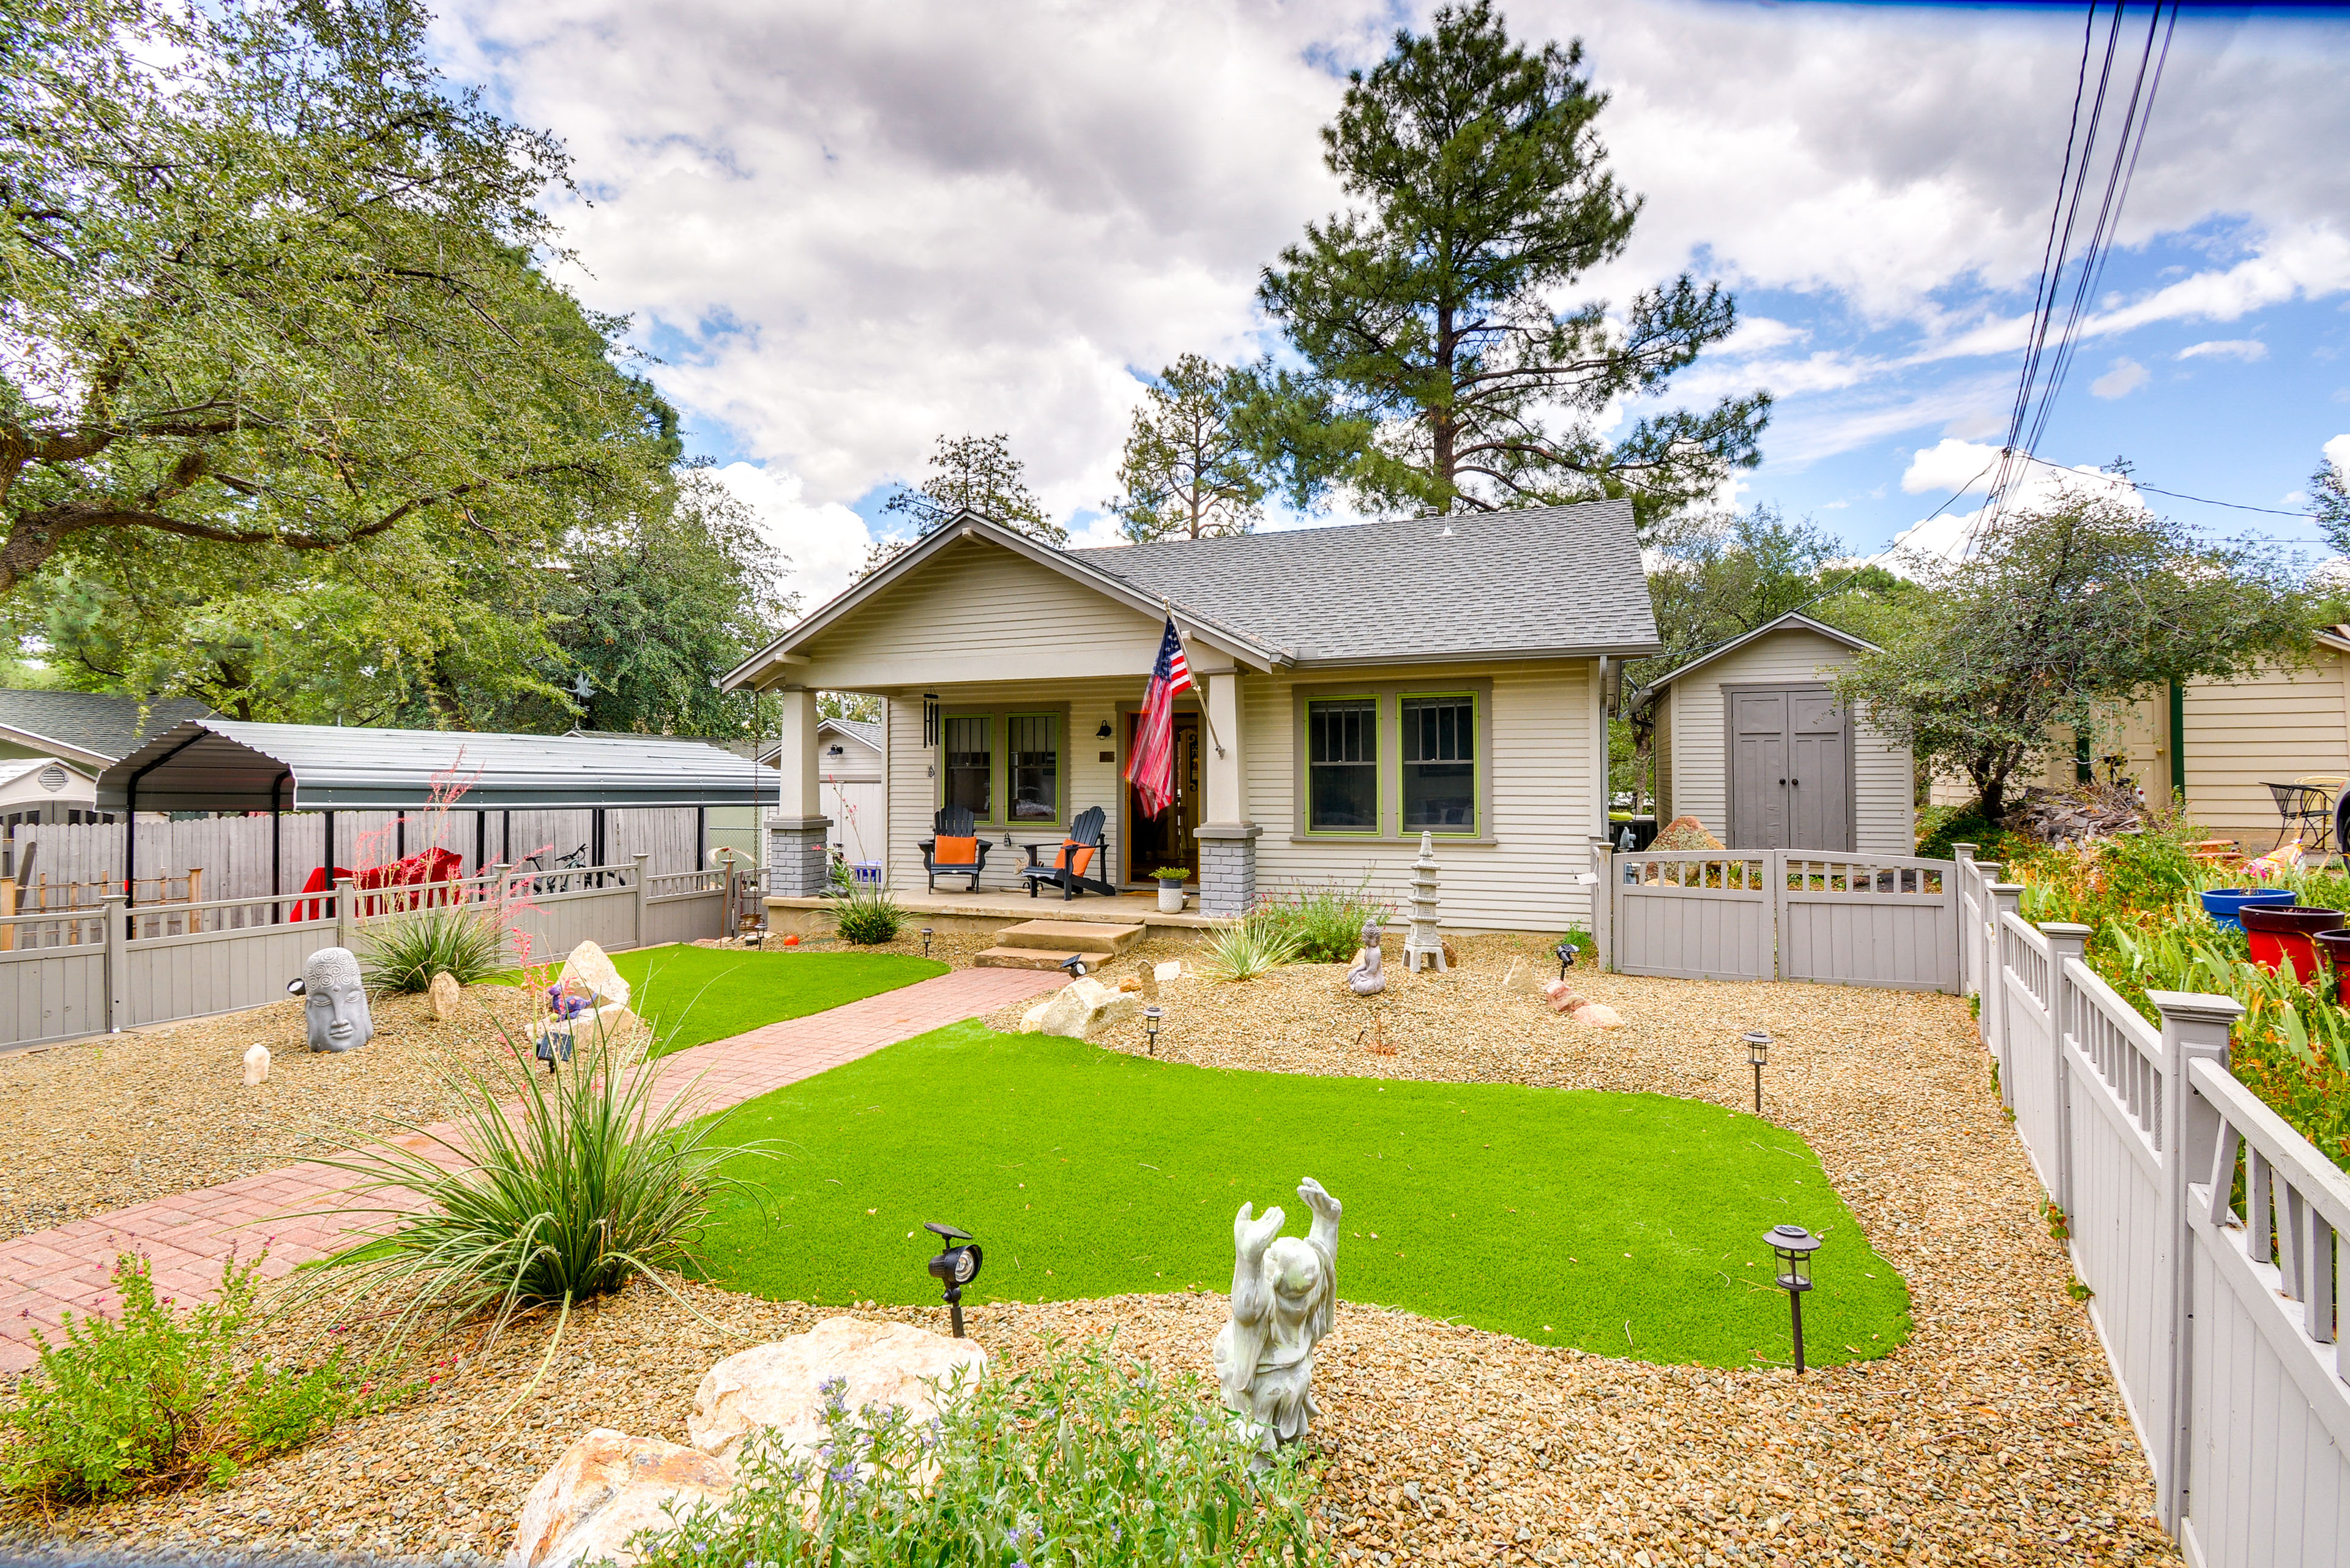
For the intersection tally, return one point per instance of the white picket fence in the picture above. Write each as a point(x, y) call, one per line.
point(2218, 1314)
point(92, 971)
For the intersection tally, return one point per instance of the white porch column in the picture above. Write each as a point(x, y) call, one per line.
point(1227, 838)
point(796, 865)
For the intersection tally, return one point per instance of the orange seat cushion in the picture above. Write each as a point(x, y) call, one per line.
point(1075, 857)
point(955, 852)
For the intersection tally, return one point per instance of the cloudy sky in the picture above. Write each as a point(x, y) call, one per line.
point(846, 228)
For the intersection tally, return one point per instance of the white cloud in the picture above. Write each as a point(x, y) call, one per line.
point(1950, 464)
point(2337, 452)
point(2126, 376)
point(2039, 485)
point(2249, 349)
point(825, 543)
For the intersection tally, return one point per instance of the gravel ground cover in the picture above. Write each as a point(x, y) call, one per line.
point(1994, 1435)
point(102, 1123)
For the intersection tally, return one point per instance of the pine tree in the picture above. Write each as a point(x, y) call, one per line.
point(1188, 472)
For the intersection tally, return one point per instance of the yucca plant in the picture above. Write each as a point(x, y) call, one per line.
point(404, 952)
point(1257, 941)
point(867, 916)
point(561, 1186)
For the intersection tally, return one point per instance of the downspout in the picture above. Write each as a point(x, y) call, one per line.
point(2178, 740)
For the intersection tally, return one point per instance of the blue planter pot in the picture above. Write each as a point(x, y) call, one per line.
point(2223, 904)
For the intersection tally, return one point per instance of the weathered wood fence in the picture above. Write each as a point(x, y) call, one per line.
point(1779, 914)
point(92, 971)
point(2206, 1229)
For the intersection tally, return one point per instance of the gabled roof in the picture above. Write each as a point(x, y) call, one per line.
point(1535, 582)
point(92, 728)
point(1794, 620)
point(867, 731)
point(219, 764)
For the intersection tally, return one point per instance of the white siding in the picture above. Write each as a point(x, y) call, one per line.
point(1884, 816)
point(2245, 734)
point(1543, 788)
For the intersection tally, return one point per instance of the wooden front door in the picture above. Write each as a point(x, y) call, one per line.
point(1166, 839)
point(1789, 771)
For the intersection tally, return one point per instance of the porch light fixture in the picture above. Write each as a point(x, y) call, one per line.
point(926, 941)
point(1150, 1017)
point(1758, 1052)
point(1102, 733)
point(954, 1268)
point(1795, 1246)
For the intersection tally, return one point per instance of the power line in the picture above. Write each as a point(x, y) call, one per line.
point(2174, 495)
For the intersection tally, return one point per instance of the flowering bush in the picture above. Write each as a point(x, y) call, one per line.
point(1084, 1462)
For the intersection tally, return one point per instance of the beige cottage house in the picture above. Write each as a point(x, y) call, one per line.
point(1361, 684)
point(1751, 741)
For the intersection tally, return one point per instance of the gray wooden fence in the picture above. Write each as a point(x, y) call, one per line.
point(2218, 1314)
point(1841, 919)
point(116, 968)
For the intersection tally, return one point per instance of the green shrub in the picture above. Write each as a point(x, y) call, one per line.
point(593, 1183)
point(1248, 947)
point(406, 952)
point(161, 1399)
point(1327, 921)
point(1082, 1462)
point(867, 916)
point(1940, 826)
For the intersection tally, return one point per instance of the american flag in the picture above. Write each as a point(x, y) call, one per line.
point(1150, 768)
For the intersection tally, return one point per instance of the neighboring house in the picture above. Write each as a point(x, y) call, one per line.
point(1362, 684)
point(2222, 742)
point(1751, 741)
point(87, 729)
point(855, 795)
point(44, 790)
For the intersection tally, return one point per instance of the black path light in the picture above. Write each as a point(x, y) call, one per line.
point(1075, 964)
point(1150, 1017)
point(926, 941)
point(1758, 1051)
point(954, 1268)
point(1794, 1247)
point(1565, 951)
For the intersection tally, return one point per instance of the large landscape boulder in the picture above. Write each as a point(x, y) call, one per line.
point(1081, 1009)
point(781, 1387)
point(589, 972)
point(607, 1486)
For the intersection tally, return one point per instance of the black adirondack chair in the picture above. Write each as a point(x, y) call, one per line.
point(954, 822)
point(1084, 833)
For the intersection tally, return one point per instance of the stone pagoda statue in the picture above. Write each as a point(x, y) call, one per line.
point(1421, 944)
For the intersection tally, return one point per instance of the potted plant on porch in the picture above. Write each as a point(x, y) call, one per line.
point(1171, 881)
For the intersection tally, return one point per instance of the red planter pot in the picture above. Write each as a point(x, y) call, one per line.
point(2280, 932)
point(2336, 945)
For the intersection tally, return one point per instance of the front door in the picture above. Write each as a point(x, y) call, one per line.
point(1166, 839)
point(1788, 776)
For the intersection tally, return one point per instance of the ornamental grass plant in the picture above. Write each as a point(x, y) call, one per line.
point(558, 1186)
point(403, 953)
point(1327, 921)
point(1257, 941)
point(867, 916)
point(160, 1398)
point(1082, 1462)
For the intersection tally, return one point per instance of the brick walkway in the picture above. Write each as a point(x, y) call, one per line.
point(190, 1236)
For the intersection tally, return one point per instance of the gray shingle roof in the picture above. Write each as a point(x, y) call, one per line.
point(1544, 579)
point(109, 727)
point(866, 729)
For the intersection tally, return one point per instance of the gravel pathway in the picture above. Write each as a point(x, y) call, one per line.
point(1995, 1434)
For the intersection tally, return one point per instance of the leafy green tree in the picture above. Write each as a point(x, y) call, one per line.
point(270, 288)
point(1716, 575)
point(974, 473)
point(1189, 471)
point(2058, 611)
point(2329, 492)
point(1440, 375)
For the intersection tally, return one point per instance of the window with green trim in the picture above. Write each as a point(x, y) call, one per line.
point(969, 766)
point(1440, 763)
point(1341, 765)
point(1036, 767)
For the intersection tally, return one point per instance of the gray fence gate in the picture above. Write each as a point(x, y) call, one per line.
point(1841, 919)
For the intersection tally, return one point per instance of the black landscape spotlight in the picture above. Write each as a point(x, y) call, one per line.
point(1150, 1017)
point(926, 941)
point(1075, 964)
point(553, 1046)
point(954, 1268)
point(1758, 1051)
point(1565, 951)
point(1794, 1245)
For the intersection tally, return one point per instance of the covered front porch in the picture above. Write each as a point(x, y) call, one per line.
point(984, 913)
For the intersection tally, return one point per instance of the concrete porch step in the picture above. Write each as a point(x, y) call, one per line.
point(1069, 935)
point(1033, 958)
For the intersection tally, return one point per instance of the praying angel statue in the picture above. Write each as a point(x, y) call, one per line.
point(1284, 1293)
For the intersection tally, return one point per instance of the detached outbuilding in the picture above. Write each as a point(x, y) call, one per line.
point(1752, 741)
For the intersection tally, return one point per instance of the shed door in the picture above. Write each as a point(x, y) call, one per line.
point(1789, 783)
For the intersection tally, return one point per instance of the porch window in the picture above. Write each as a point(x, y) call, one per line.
point(1036, 768)
point(1343, 765)
point(1440, 763)
point(971, 765)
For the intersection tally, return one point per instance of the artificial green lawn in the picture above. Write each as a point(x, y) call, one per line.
point(694, 995)
point(1626, 1224)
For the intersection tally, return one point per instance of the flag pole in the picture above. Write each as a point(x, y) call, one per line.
point(1168, 605)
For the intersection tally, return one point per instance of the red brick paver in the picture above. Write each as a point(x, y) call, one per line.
point(189, 1236)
